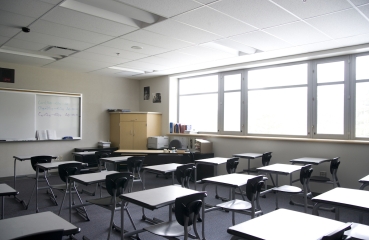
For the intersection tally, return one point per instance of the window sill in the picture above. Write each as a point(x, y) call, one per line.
point(271, 138)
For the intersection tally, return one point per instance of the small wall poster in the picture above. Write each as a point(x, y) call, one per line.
point(156, 98)
point(146, 93)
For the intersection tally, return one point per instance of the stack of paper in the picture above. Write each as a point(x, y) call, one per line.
point(46, 134)
point(51, 134)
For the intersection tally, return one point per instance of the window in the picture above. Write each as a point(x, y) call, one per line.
point(277, 100)
point(198, 103)
point(362, 97)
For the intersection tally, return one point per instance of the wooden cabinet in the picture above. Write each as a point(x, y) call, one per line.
point(131, 130)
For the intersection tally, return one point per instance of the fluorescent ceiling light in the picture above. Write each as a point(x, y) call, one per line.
point(25, 54)
point(112, 10)
point(127, 69)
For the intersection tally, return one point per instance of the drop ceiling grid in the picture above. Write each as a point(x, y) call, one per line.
point(359, 2)
point(144, 66)
point(297, 33)
point(108, 51)
point(365, 10)
point(5, 57)
point(27, 45)
point(87, 22)
point(260, 14)
point(213, 21)
point(99, 57)
point(354, 40)
point(124, 44)
point(155, 39)
point(14, 20)
point(29, 8)
point(3, 39)
point(182, 31)
point(165, 8)
point(260, 40)
point(181, 58)
point(8, 31)
point(205, 52)
point(63, 31)
point(313, 8)
point(342, 24)
point(84, 63)
point(161, 61)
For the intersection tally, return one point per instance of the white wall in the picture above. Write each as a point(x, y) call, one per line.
point(98, 94)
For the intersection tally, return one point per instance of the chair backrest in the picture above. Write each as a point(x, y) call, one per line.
point(231, 165)
point(134, 164)
point(118, 182)
point(46, 235)
point(305, 173)
point(183, 174)
point(175, 143)
point(335, 163)
point(265, 159)
point(188, 207)
point(101, 154)
point(338, 233)
point(68, 169)
point(253, 187)
point(40, 159)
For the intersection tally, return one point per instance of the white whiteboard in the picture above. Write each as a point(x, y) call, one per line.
point(23, 112)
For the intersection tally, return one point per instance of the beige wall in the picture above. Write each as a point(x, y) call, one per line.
point(98, 94)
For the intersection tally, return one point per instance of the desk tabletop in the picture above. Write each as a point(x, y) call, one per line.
point(295, 225)
point(6, 190)
point(23, 158)
point(212, 161)
point(115, 159)
point(229, 180)
point(358, 231)
point(91, 178)
point(364, 179)
point(345, 197)
point(84, 153)
point(53, 165)
point(310, 160)
point(157, 197)
point(28, 224)
point(163, 168)
point(143, 152)
point(280, 168)
point(248, 155)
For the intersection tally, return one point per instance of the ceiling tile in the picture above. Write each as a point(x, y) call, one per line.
point(181, 31)
point(108, 51)
point(258, 13)
point(207, 1)
point(13, 20)
point(3, 39)
point(213, 21)
point(297, 33)
point(29, 8)
point(79, 64)
point(354, 40)
point(206, 53)
point(313, 8)
point(359, 2)
point(8, 31)
point(165, 8)
point(155, 39)
point(341, 24)
point(19, 59)
point(53, 41)
point(143, 66)
point(261, 41)
point(169, 63)
point(180, 58)
point(99, 57)
point(365, 10)
point(50, 1)
point(124, 44)
point(87, 22)
point(27, 45)
point(63, 31)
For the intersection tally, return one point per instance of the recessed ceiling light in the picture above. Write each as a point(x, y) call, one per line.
point(137, 47)
point(127, 69)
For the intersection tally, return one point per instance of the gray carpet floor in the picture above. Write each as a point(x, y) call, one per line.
point(216, 222)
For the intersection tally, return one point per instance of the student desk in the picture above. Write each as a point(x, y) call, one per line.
point(28, 224)
point(364, 182)
point(86, 157)
point(114, 161)
point(46, 167)
point(21, 158)
point(248, 156)
point(160, 169)
point(214, 162)
point(5, 190)
point(285, 224)
point(153, 199)
point(343, 197)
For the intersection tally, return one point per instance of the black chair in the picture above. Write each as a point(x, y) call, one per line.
point(46, 235)
point(66, 170)
point(252, 208)
point(187, 209)
point(134, 165)
point(116, 185)
point(183, 174)
point(231, 166)
point(42, 177)
point(335, 163)
point(305, 174)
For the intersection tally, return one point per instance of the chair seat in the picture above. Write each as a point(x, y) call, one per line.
point(235, 205)
point(106, 201)
point(319, 179)
point(288, 189)
point(168, 229)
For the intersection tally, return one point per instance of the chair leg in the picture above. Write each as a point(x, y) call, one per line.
point(185, 229)
point(80, 199)
point(194, 226)
point(51, 191)
point(276, 200)
point(111, 221)
point(62, 202)
point(33, 191)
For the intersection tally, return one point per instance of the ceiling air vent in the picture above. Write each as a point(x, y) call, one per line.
point(62, 52)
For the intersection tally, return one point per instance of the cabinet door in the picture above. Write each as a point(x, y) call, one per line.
point(126, 135)
point(140, 135)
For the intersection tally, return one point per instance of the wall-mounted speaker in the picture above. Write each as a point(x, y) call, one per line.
point(7, 75)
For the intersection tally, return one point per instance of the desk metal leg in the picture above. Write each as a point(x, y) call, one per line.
point(172, 178)
point(195, 175)
point(37, 174)
point(143, 179)
point(203, 216)
point(2, 206)
point(15, 185)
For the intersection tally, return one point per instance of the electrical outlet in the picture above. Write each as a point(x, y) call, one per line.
point(60, 158)
point(323, 174)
